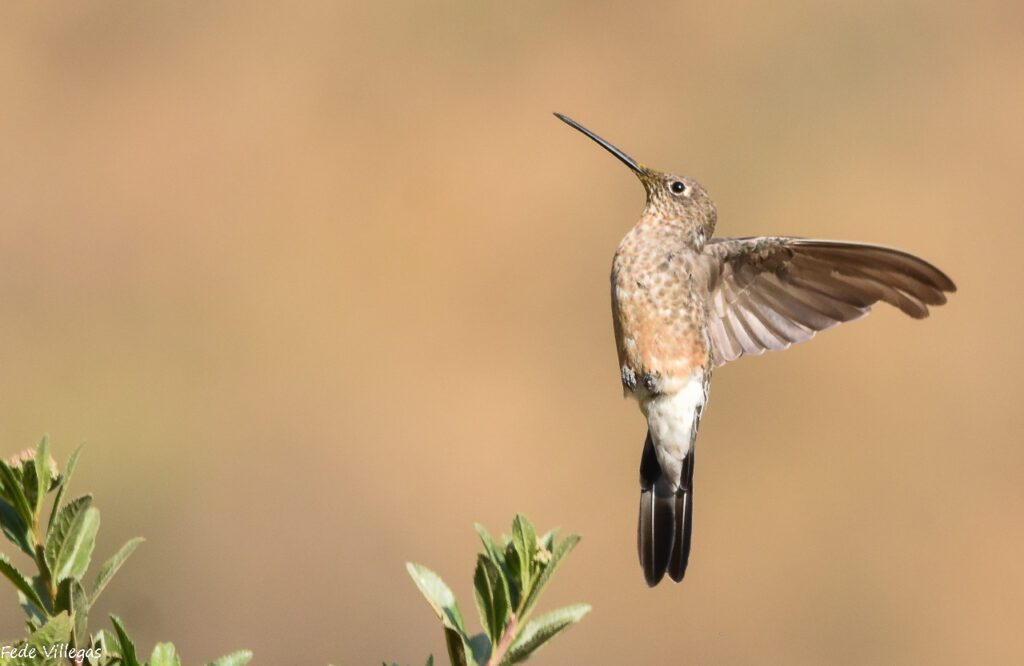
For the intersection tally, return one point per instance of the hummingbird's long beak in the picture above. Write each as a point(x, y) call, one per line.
point(638, 169)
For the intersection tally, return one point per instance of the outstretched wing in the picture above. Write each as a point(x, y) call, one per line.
point(770, 292)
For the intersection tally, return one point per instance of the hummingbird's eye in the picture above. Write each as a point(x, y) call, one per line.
point(678, 187)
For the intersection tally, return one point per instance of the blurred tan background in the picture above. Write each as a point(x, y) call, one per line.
point(322, 285)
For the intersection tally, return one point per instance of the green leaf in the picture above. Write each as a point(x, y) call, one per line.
point(456, 644)
point(490, 546)
point(42, 467)
point(79, 614)
point(164, 654)
point(71, 598)
point(561, 550)
point(62, 602)
point(15, 528)
point(107, 645)
point(484, 595)
point(491, 597)
point(539, 631)
point(76, 550)
point(494, 552)
point(63, 481)
point(12, 574)
point(430, 660)
point(441, 599)
point(438, 595)
point(125, 645)
point(60, 528)
point(239, 658)
point(55, 632)
point(524, 540)
point(13, 491)
point(111, 566)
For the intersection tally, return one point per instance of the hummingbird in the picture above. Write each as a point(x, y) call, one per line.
point(685, 302)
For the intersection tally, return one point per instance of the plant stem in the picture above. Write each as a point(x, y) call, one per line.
point(506, 641)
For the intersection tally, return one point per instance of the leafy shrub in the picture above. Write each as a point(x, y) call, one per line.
point(508, 582)
point(56, 599)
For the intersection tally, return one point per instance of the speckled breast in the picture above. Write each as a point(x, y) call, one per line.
point(659, 317)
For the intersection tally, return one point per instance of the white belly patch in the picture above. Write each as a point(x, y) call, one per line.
point(671, 419)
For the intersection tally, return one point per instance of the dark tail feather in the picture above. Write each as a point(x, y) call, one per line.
point(666, 519)
point(684, 525)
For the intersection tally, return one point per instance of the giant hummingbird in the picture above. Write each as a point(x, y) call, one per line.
point(685, 302)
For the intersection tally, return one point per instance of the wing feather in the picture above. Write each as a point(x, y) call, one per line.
point(768, 293)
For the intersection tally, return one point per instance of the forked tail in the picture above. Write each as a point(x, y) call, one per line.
point(666, 518)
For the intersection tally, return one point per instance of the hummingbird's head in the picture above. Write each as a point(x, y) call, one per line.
point(680, 198)
point(675, 199)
